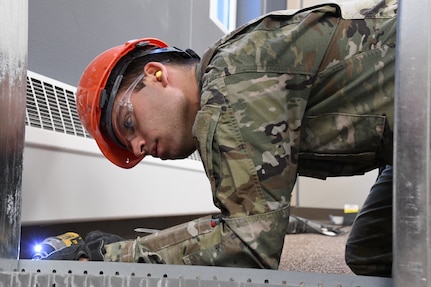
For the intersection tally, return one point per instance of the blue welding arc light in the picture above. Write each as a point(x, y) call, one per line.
point(41, 250)
point(55, 243)
point(37, 248)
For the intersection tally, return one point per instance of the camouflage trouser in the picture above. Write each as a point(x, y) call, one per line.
point(210, 241)
point(369, 246)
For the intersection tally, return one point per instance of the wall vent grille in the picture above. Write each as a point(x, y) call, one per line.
point(51, 105)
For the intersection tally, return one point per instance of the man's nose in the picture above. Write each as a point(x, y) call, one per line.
point(138, 146)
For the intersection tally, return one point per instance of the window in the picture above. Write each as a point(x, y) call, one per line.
point(223, 14)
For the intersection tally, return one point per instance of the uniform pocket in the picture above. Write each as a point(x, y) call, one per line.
point(338, 144)
point(204, 129)
point(342, 133)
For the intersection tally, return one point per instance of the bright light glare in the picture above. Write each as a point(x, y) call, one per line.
point(37, 248)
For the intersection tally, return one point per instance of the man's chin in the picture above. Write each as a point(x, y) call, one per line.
point(183, 155)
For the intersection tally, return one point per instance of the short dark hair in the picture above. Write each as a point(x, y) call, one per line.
point(136, 67)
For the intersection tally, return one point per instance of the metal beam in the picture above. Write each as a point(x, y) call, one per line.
point(412, 222)
point(13, 69)
point(83, 274)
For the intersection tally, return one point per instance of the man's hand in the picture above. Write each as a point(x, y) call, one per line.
point(95, 242)
point(67, 246)
point(92, 248)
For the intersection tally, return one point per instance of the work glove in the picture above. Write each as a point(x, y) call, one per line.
point(61, 247)
point(67, 246)
point(95, 242)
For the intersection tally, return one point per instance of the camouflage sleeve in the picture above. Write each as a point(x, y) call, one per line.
point(347, 127)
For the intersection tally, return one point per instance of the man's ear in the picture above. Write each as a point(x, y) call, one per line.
point(157, 72)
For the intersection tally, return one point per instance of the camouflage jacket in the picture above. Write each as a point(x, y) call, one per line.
point(310, 93)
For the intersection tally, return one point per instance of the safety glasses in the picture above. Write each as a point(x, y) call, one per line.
point(125, 123)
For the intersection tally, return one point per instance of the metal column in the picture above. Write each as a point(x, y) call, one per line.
point(412, 147)
point(13, 70)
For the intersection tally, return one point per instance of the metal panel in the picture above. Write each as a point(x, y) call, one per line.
point(412, 149)
point(73, 273)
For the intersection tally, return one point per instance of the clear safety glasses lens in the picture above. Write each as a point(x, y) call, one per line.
point(124, 123)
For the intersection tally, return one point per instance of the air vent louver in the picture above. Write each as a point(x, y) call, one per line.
point(51, 106)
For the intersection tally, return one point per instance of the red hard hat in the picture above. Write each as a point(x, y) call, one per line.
point(91, 97)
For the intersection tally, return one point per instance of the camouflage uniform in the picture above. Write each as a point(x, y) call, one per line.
point(308, 93)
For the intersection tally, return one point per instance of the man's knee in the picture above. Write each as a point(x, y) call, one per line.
point(368, 261)
point(369, 246)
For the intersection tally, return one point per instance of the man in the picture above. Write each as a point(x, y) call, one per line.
point(308, 93)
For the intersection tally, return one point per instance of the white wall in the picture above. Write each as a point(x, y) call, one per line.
point(334, 192)
point(67, 179)
point(297, 4)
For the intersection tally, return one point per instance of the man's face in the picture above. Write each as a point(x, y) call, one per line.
point(153, 120)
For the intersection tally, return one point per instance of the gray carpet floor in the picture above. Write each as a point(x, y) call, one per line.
point(310, 252)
